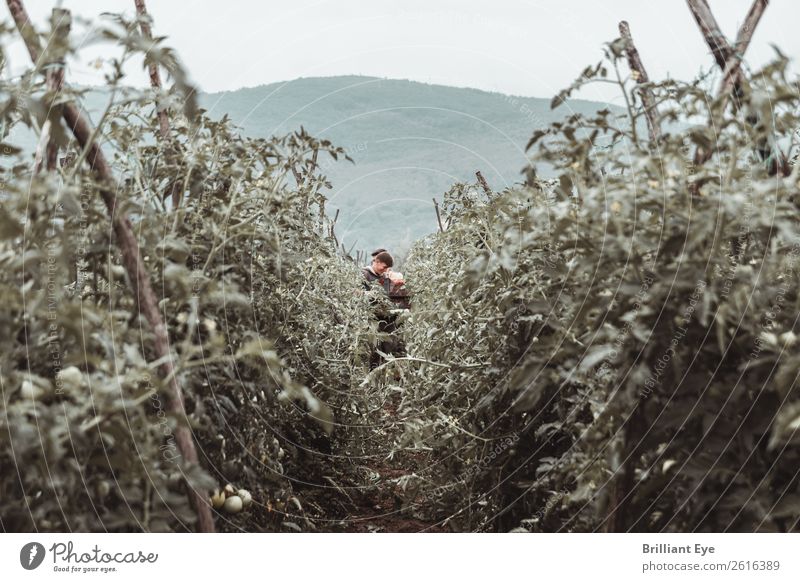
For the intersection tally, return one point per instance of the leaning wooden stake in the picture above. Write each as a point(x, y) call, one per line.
point(640, 74)
point(155, 83)
point(484, 184)
point(438, 216)
point(155, 76)
point(332, 231)
point(711, 31)
point(726, 55)
point(47, 149)
point(733, 69)
point(61, 22)
point(729, 59)
point(147, 303)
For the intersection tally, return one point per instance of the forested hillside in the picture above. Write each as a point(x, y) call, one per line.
point(410, 141)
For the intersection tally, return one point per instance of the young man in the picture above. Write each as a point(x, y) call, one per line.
point(393, 283)
point(380, 270)
point(377, 271)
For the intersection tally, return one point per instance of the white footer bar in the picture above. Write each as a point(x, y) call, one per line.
point(400, 557)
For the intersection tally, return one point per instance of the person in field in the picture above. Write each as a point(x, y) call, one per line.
point(380, 271)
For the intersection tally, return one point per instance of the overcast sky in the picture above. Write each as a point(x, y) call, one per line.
point(522, 47)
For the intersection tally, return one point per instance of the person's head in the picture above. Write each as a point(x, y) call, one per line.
point(382, 261)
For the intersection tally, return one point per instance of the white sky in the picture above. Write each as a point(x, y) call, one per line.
point(522, 47)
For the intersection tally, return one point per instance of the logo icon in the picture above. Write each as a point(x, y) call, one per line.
point(31, 555)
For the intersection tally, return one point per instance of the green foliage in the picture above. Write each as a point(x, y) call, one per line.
point(614, 349)
point(409, 141)
point(266, 328)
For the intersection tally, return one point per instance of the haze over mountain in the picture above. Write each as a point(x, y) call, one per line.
point(410, 142)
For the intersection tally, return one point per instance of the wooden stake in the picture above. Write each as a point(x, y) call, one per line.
point(62, 23)
point(438, 216)
point(333, 227)
point(484, 184)
point(155, 76)
point(55, 82)
point(640, 75)
point(711, 31)
point(142, 289)
point(155, 83)
point(729, 59)
point(47, 150)
point(733, 71)
point(623, 483)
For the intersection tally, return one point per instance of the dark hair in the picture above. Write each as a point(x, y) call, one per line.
point(384, 258)
point(378, 251)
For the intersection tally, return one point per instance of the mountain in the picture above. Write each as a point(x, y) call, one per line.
point(410, 142)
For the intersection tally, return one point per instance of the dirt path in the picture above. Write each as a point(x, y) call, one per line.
point(366, 496)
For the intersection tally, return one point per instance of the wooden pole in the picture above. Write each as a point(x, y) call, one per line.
point(438, 216)
point(729, 59)
point(623, 484)
point(640, 75)
point(484, 184)
point(155, 83)
point(55, 82)
point(333, 227)
point(155, 76)
point(732, 78)
point(61, 23)
point(711, 31)
point(724, 54)
point(47, 150)
point(147, 303)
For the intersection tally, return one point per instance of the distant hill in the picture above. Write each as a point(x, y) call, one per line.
point(410, 142)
